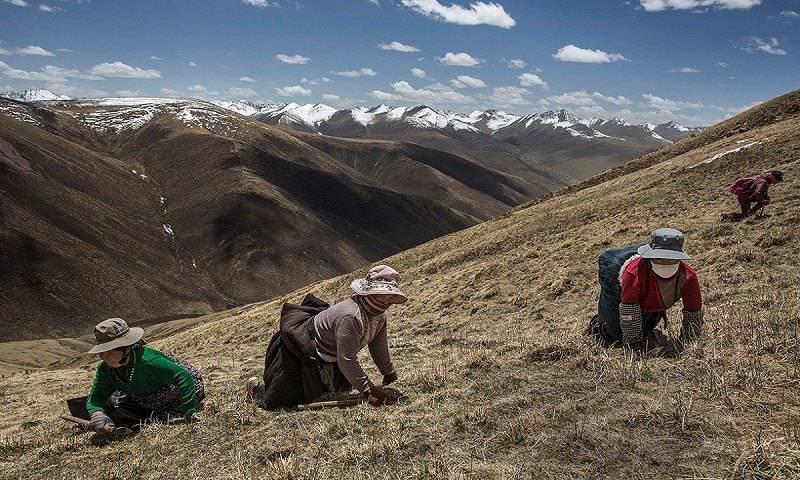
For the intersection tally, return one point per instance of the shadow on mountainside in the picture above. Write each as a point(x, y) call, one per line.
point(501, 379)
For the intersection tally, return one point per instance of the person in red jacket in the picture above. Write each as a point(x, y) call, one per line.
point(749, 190)
point(652, 282)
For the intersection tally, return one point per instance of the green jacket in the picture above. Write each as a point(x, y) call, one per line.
point(151, 371)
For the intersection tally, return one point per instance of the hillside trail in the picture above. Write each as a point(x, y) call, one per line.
point(502, 382)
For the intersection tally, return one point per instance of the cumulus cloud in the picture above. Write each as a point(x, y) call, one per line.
point(418, 72)
point(385, 96)
point(3, 51)
point(292, 59)
point(531, 80)
point(34, 50)
point(169, 91)
point(293, 91)
point(398, 47)
point(756, 44)
point(655, 101)
point(660, 5)
point(48, 73)
point(571, 53)
point(329, 97)
point(192, 64)
point(722, 64)
point(260, 3)
point(463, 81)
point(122, 70)
point(516, 63)
point(618, 100)
point(509, 96)
point(197, 88)
point(18, 3)
point(459, 60)
point(247, 79)
point(789, 14)
point(478, 13)
point(46, 8)
point(684, 70)
point(404, 91)
point(242, 92)
point(361, 72)
point(153, 57)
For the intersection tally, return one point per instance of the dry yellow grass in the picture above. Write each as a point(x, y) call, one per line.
point(502, 382)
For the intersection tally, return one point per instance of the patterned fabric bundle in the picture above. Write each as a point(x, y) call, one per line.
point(167, 400)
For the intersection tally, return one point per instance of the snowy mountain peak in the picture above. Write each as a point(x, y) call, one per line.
point(36, 95)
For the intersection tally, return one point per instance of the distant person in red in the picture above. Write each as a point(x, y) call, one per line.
point(750, 190)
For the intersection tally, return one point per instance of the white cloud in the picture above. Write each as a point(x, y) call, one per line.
point(579, 98)
point(361, 72)
point(48, 73)
point(46, 8)
point(329, 97)
point(242, 92)
point(325, 79)
point(619, 100)
point(418, 72)
point(293, 91)
point(571, 53)
point(467, 81)
point(509, 96)
point(292, 59)
point(247, 79)
point(408, 92)
point(169, 91)
point(459, 60)
point(3, 51)
point(197, 88)
point(516, 63)
point(385, 96)
point(478, 13)
point(722, 64)
point(19, 3)
point(660, 5)
point(153, 57)
point(531, 80)
point(260, 3)
point(684, 70)
point(398, 47)
point(34, 50)
point(121, 70)
point(192, 64)
point(455, 84)
point(756, 44)
point(789, 14)
point(667, 104)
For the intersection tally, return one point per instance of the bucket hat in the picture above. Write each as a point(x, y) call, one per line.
point(114, 333)
point(381, 280)
point(665, 243)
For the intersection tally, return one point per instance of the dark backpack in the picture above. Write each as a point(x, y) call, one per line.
point(609, 265)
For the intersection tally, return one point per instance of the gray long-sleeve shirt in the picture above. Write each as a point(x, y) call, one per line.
point(342, 331)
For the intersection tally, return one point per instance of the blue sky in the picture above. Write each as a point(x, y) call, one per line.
point(694, 61)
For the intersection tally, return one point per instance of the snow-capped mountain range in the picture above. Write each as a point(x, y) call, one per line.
point(321, 118)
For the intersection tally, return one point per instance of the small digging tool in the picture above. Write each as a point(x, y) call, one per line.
point(85, 425)
point(331, 404)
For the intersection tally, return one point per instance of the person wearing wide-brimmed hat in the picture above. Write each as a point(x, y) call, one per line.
point(135, 382)
point(315, 351)
point(652, 278)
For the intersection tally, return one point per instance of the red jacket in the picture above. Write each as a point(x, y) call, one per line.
point(749, 186)
point(639, 285)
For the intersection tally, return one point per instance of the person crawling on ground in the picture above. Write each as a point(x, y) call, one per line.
point(315, 352)
point(136, 383)
point(749, 191)
point(639, 284)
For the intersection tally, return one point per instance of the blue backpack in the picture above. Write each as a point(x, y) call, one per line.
point(606, 323)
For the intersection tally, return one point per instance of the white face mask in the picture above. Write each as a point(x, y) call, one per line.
point(665, 271)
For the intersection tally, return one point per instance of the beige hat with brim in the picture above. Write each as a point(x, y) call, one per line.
point(114, 333)
point(381, 280)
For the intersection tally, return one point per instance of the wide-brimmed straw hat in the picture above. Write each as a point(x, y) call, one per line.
point(381, 280)
point(114, 333)
point(665, 243)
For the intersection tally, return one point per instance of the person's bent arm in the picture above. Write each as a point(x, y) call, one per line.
point(379, 351)
point(348, 332)
point(692, 324)
point(630, 311)
point(170, 373)
point(102, 387)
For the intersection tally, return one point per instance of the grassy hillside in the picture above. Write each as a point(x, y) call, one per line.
point(501, 380)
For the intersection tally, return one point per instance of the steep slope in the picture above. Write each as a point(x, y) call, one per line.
point(195, 208)
point(502, 382)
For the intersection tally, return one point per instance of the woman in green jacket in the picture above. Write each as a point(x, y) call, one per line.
point(136, 383)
